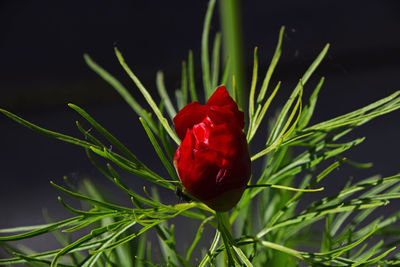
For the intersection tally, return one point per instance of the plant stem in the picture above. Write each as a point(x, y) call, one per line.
point(225, 229)
point(233, 47)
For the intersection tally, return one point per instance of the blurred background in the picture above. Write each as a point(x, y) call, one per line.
point(42, 69)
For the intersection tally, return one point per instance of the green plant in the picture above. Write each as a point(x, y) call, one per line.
point(266, 227)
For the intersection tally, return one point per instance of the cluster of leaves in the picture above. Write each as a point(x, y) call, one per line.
point(268, 228)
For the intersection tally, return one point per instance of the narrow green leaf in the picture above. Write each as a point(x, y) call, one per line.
point(306, 159)
point(326, 243)
point(30, 261)
point(196, 240)
point(315, 64)
point(283, 134)
point(312, 216)
point(162, 91)
point(85, 213)
point(359, 115)
point(121, 90)
point(283, 249)
point(47, 228)
point(374, 189)
point(182, 94)
point(141, 251)
point(279, 127)
point(129, 237)
point(260, 113)
point(271, 68)
point(166, 142)
point(56, 135)
point(338, 251)
point(87, 135)
point(309, 109)
point(192, 83)
point(94, 233)
point(148, 97)
point(137, 198)
point(179, 99)
point(225, 74)
point(205, 63)
point(105, 133)
point(253, 86)
point(51, 253)
point(285, 187)
point(213, 248)
point(378, 258)
point(91, 200)
point(93, 258)
point(138, 170)
point(242, 256)
point(234, 89)
point(159, 151)
point(215, 60)
point(295, 92)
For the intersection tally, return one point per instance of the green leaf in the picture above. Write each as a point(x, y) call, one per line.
point(296, 92)
point(159, 151)
point(253, 85)
point(374, 189)
point(88, 136)
point(285, 187)
point(182, 94)
point(50, 254)
point(56, 135)
point(165, 140)
point(260, 113)
point(274, 143)
point(102, 204)
point(309, 109)
point(105, 133)
point(148, 97)
point(225, 74)
point(271, 67)
point(360, 116)
point(94, 233)
point(196, 240)
point(138, 170)
point(213, 248)
point(45, 229)
point(121, 90)
point(94, 257)
point(192, 83)
point(215, 60)
point(205, 63)
point(317, 214)
point(164, 95)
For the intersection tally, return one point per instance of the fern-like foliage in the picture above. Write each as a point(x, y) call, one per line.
point(267, 227)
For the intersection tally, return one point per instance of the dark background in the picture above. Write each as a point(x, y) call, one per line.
point(42, 69)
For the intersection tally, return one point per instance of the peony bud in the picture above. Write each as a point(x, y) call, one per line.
point(213, 161)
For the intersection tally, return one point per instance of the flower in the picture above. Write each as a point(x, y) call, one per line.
point(213, 161)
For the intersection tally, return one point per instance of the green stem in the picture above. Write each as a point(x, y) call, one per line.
point(233, 47)
point(224, 227)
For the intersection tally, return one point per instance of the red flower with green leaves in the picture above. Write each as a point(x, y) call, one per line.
point(213, 161)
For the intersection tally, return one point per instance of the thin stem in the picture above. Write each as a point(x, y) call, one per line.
point(224, 227)
point(233, 46)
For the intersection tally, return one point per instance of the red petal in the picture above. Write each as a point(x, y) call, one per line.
point(190, 115)
point(213, 163)
point(220, 97)
point(221, 101)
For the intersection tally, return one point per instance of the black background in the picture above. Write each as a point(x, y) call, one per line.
point(42, 69)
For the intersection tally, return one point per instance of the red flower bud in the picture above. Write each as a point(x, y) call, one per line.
point(213, 161)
